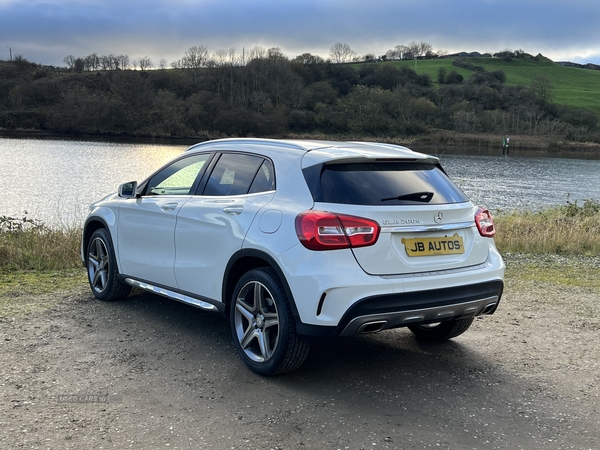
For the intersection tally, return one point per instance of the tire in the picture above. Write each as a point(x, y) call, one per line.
point(441, 331)
point(102, 268)
point(263, 329)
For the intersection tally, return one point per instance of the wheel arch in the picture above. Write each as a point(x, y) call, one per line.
point(91, 225)
point(248, 259)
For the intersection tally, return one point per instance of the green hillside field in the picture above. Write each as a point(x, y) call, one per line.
point(571, 86)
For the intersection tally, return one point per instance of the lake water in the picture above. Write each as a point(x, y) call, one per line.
point(56, 180)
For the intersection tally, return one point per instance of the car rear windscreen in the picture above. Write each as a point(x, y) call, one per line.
point(385, 183)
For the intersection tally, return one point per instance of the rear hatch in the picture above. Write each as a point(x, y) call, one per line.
point(426, 222)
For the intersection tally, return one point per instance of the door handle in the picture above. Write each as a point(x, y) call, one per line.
point(234, 210)
point(169, 206)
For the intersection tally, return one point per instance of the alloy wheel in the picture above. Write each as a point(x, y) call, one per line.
point(98, 265)
point(256, 321)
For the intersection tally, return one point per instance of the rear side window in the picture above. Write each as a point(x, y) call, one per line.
point(384, 184)
point(237, 174)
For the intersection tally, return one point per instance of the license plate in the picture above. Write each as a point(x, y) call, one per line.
point(447, 245)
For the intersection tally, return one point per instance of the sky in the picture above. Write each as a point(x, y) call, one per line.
point(46, 31)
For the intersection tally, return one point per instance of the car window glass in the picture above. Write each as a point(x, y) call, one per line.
point(386, 183)
point(265, 178)
point(233, 174)
point(177, 178)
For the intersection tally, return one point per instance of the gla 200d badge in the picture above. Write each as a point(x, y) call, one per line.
point(401, 222)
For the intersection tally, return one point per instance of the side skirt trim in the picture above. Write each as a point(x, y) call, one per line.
point(171, 294)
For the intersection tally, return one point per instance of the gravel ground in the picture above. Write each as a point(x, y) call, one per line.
point(150, 373)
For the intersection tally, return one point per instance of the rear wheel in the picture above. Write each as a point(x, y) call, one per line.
point(262, 325)
point(441, 331)
point(102, 268)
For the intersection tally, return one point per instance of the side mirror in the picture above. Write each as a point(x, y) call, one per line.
point(128, 190)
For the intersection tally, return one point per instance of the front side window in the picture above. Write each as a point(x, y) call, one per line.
point(178, 178)
point(235, 174)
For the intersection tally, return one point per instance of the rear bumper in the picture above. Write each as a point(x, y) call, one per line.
point(382, 312)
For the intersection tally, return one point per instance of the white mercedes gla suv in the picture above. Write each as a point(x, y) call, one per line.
point(296, 241)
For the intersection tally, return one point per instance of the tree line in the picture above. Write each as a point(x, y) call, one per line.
point(199, 56)
point(264, 93)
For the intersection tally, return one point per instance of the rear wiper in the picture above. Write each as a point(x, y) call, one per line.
point(424, 197)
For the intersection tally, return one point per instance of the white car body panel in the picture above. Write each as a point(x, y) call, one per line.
point(345, 283)
point(146, 238)
point(200, 262)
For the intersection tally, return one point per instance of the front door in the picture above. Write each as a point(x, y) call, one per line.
point(146, 236)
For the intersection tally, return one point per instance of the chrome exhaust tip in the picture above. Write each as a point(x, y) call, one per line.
point(372, 327)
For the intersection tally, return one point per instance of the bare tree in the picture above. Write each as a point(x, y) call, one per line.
point(163, 63)
point(425, 48)
point(542, 87)
point(70, 62)
point(223, 57)
point(92, 62)
point(122, 62)
point(194, 57)
point(104, 62)
point(235, 58)
point(419, 49)
point(399, 52)
point(341, 53)
point(146, 63)
point(256, 52)
point(275, 54)
point(220, 58)
point(110, 62)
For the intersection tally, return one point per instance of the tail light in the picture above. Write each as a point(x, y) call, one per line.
point(320, 230)
point(485, 222)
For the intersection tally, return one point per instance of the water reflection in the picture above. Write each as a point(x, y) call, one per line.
point(56, 180)
point(503, 183)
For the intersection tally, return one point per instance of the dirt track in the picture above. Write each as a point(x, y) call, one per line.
point(168, 376)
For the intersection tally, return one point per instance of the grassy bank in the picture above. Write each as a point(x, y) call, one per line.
point(28, 244)
point(35, 259)
point(38, 259)
point(570, 229)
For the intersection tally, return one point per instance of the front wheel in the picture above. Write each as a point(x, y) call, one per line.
point(441, 331)
point(102, 268)
point(262, 325)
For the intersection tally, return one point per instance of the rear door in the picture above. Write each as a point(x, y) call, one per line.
point(427, 223)
point(212, 226)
